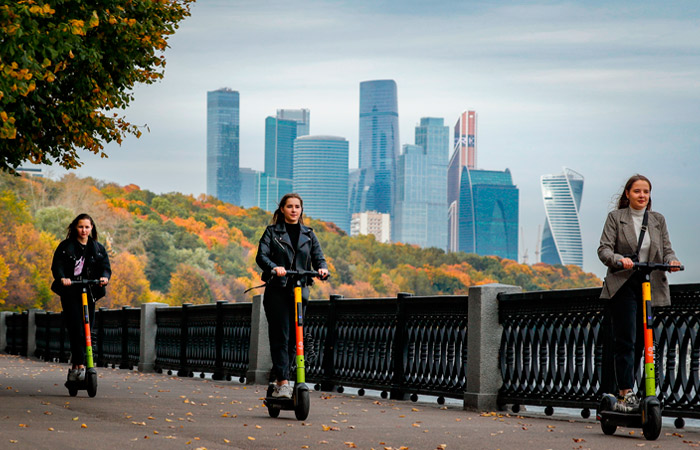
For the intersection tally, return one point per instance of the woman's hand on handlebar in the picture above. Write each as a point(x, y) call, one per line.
point(627, 263)
point(280, 271)
point(323, 273)
point(675, 263)
point(104, 281)
point(65, 281)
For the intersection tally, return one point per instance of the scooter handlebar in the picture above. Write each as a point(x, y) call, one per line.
point(307, 273)
point(653, 266)
point(84, 282)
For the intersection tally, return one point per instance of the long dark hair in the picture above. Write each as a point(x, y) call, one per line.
point(73, 227)
point(623, 202)
point(278, 216)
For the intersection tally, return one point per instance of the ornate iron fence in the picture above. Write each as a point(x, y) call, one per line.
point(405, 345)
point(16, 333)
point(117, 337)
point(553, 349)
point(52, 342)
point(212, 338)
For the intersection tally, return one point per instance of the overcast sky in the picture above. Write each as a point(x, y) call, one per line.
point(606, 88)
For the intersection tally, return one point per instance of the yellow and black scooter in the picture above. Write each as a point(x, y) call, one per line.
point(648, 417)
point(89, 384)
point(300, 402)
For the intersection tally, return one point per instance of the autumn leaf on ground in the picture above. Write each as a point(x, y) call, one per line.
point(351, 444)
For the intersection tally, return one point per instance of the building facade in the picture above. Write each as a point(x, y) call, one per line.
point(321, 178)
point(561, 237)
point(301, 116)
point(249, 187)
point(371, 222)
point(378, 147)
point(420, 208)
point(463, 156)
point(223, 145)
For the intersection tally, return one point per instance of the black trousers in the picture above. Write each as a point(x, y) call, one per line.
point(628, 333)
point(73, 318)
point(279, 311)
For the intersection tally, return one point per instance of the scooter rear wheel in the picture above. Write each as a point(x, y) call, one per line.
point(652, 429)
point(271, 410)
point(607, 404)
point(72, 392)
point(301, 410)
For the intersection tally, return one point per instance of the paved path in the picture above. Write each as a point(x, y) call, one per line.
point(135, 410)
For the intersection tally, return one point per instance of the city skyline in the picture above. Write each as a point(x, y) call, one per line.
point(607, 87)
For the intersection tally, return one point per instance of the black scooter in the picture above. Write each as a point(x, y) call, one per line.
point(300, 402)
point(648, 417)
point(88, 384)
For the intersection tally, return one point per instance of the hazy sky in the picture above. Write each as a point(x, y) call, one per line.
point(607, 88)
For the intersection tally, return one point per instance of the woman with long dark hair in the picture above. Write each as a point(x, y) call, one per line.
point(285, 245)
point(621, 245)
point(79, 257)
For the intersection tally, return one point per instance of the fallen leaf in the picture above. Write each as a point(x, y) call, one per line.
point(251, 438)
point(82, 425)
point(351, 444)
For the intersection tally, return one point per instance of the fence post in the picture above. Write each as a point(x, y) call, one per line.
point(259, 359)
point(31, 332)
point(149, 329)
point(3, 330)
point(100, 333)
point(219, 342)
point(328, 382)
point(483, 344)
point(397, 391)
point(184, 370)
point(124, 364)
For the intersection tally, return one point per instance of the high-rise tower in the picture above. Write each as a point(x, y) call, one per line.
point(561, 237)
point(321, 178)
point(301, 116)
point(223, 146)
point(378, 147)
point(463, 156)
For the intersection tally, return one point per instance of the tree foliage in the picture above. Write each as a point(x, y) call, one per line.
point(185, 249)
point(67, 66)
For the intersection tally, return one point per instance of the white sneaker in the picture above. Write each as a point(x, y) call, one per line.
point(81, 374)
point(72, 374)
point(283, 391)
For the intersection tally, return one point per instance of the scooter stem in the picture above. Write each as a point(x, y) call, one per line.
point(649, 369)
point(88, 338)
point(299, 322)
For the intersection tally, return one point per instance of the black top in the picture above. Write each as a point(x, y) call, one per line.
point(293, 229)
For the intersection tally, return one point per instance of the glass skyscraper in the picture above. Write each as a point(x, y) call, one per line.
point(488, 213)
point(561, 237)
point(420, 209)
point(223, 146)
point(463, 156)
point(249, 187)
point(279, 147)
point(301, 116)
point(378, 147)
point(321, 178)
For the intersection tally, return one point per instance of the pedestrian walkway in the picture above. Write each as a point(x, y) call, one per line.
point(135, 410)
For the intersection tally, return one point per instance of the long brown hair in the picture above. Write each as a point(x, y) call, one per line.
point(623, 202)
point(73, 227)
point(278, 216)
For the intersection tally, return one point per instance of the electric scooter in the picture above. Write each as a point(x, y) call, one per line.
point(89, 384)
point(648, 417)
point(300, 402)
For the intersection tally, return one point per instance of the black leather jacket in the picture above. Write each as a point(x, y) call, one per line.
point(275, 250)
point(96, 266)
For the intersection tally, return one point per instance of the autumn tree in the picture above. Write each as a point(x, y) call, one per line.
point(128, 285)
point(67, 66)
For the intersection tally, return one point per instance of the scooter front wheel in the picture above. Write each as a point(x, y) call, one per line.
point(91, 380)
point(652, 428)
point(303, 405)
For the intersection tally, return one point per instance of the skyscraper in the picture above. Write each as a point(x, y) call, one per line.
point(301, 116)
point(378, 147)
point(249, 187)
point(223, 136)
point(464, 155)
point(421, 187)
point(488, 213)
point(321, 178)
point(561, 237)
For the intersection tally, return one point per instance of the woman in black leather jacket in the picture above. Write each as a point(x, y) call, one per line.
point(78, 257)
point(286, 245)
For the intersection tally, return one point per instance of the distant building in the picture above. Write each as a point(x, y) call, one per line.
point(271, 190)
point(463, 156)
point(249, 187)
point(487, 217)
point(321, 178)
point(420, 209)
point(279, 147)
point(378, 147)
point(31, 171)
point(223, 145)
point(301, 116)
point(371, 222)
point(561, 237)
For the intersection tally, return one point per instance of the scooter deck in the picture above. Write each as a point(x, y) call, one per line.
point(286, 404)
point(620, 419)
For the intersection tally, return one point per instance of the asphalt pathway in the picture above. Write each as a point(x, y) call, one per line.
point(135, 410)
